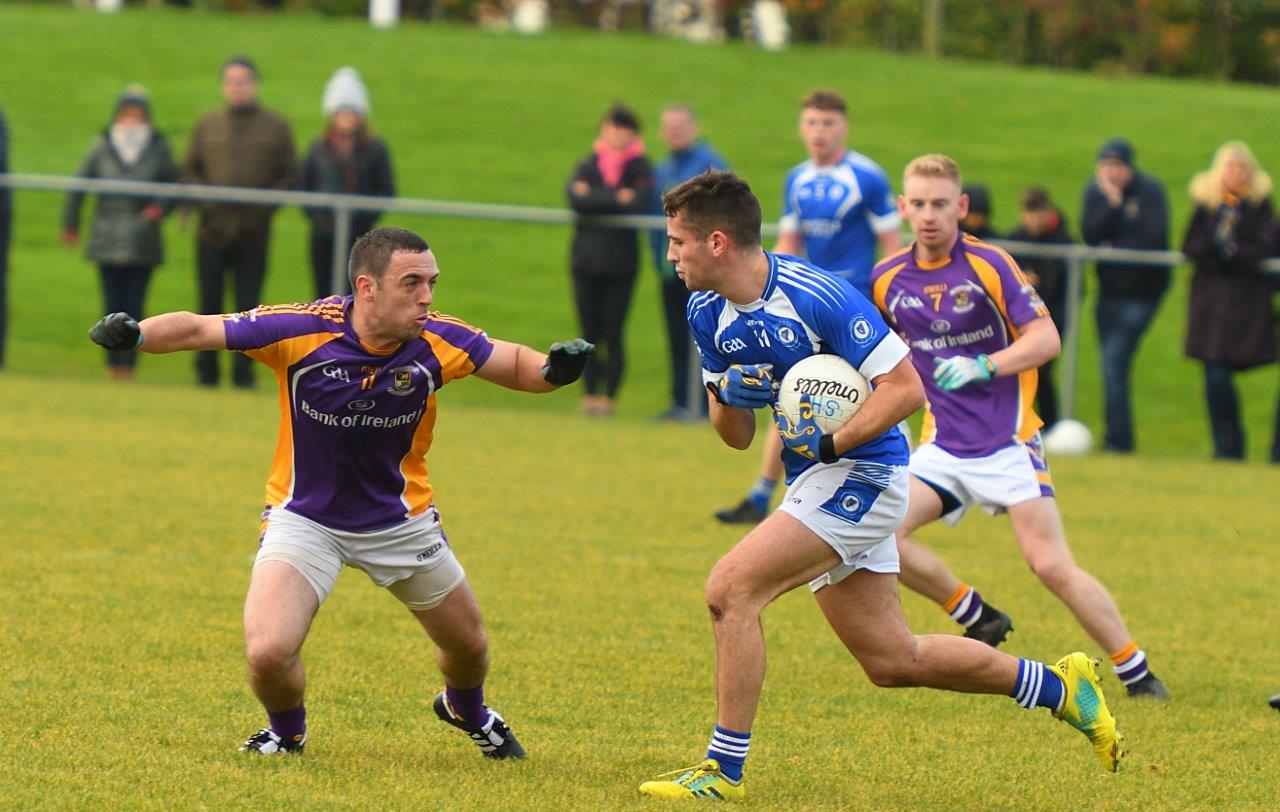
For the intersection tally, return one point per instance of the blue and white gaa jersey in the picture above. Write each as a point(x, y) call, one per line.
point(804, 311)
point(839, 209)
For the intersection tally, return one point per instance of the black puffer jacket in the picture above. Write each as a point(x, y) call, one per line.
point(609, 251)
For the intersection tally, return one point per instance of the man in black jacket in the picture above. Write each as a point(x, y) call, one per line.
point(1124, 208)
point(1043, 222)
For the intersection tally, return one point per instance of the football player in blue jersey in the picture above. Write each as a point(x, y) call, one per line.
point(837, 209)
point(753, 315)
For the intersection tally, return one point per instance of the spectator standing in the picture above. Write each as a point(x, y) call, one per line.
point(689, 157)
point(978, 220)
point(346, 159)
point(124, 237)
point(6, 215)
point(1124, 208)
point(1230, 325)
point(243, 144)
point(1043, 222)
point(615, 179)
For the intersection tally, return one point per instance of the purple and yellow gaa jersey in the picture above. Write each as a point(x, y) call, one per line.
point(974, 301)
point(355, 423)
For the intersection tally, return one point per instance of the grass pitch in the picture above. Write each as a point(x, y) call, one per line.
point(129, 527)
point(128, 514)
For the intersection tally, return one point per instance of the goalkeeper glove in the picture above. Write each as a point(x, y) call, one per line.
point(118, 332)
point(961, 370)
point(566, 360)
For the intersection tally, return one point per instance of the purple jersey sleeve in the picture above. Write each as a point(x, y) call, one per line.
point(461, 348)
point(1021, 303)
point(263, 333)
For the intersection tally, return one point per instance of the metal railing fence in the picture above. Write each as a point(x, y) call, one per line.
point(344, 206)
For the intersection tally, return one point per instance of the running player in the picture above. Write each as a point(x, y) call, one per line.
point(358, 378)
point(755, 316)
point(837, 208)
point(977, 331)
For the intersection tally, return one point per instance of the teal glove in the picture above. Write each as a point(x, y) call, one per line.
point(961, 370)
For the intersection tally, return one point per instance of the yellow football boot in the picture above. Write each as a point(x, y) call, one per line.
point(704, 781)
point(1085, 708)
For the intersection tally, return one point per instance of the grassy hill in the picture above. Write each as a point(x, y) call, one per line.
point(472, 115)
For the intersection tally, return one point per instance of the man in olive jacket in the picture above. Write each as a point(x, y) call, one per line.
point(243, 144)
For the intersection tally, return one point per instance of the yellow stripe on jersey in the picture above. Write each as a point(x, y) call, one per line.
point(928, 426)
point(413, 466)
point(880, 290)
point(1028, 421)
point(280, 355)
point(454, 362)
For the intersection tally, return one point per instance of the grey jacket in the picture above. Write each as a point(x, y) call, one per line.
point(119, 233)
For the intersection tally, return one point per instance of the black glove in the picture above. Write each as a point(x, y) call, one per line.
point(566, 360)
point(118, 332)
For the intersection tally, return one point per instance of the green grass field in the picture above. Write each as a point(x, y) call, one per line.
point(128, 513)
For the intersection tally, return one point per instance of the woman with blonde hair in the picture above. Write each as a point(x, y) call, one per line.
point(1230, 326)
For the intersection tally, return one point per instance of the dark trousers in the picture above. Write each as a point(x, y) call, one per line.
point(124, 290)
point(4, 281)
point(1047, 395)
point(322, 263)
point(1224, 411)
point(246, 260)
point(602, 303)
point(675, 299)
point(1122, 320)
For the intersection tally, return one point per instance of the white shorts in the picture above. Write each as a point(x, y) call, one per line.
point(996, 482)
point(412, 560)
point(854, 506)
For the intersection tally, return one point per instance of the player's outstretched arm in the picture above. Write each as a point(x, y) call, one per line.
point(170, 332)
point(524, 369)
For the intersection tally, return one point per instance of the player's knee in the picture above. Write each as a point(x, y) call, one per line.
point(472, 649)
point(890, 672)
point(1054, 573)
point(269, 656)
point(725, 597)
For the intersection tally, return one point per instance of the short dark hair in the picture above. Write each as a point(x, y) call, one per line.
point(717, 201)
point(822, 98)
point(373, 251)
point(242, 61)
point(620, 115)
point(1036, 198)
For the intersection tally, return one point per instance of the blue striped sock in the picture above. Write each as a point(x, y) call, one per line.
point(1037, 686)
point(762, 492)
point(729, 748)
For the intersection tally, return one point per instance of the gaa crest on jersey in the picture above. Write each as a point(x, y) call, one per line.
point(961, 301)
point(401, 381)
point(787, 336)
point(860, 329)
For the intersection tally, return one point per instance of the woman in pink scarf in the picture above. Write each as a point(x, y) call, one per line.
point(615, 179)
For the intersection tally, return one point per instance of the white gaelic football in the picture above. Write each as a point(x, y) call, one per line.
point(1068, 438)
point(835, 388)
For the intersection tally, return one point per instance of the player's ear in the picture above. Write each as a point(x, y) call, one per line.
point(719, 243)
point(962, 206)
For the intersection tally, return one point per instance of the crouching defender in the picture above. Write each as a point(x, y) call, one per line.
point(754, 315)
point(358, 378)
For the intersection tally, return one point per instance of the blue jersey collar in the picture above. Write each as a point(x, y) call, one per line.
point(770, 284)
